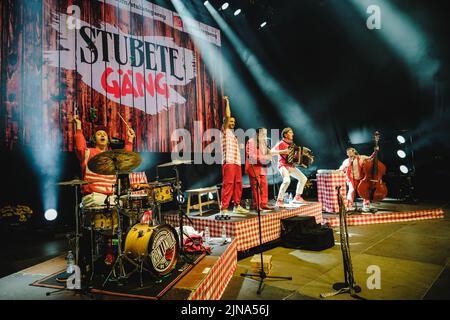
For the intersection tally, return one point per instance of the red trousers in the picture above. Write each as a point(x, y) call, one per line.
point(231, 184)
point(263, 194)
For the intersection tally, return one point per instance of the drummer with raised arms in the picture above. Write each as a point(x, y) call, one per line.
point(95, 193)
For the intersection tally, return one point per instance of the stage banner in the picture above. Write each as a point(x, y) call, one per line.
point(99, 58)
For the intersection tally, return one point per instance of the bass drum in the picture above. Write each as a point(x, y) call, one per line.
point(157, 246)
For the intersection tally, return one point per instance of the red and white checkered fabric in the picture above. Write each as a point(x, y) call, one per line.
point(214, 284)
point(135, 178)
point(246, 232)
point(327, 181)
point(390, 217)
point(230, 148)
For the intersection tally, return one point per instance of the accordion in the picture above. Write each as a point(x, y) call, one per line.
point(301, 156)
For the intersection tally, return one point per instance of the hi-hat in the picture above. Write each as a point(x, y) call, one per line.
point(114, 161)
point(74, 182)
point(174, 163)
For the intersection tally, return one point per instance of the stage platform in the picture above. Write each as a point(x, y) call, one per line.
point(206, 280)
point(244, 227)
point(388, 211)
point(358, 219)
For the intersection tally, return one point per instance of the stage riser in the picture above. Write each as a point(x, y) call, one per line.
point(245, 232)
point(387, 218)
point(214, 285)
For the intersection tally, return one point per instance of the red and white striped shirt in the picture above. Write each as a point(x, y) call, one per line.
point(230, 148)
point(101, 183)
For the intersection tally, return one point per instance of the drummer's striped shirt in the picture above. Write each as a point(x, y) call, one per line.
point(101, 183)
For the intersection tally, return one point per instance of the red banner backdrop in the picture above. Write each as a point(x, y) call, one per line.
point(99, 58)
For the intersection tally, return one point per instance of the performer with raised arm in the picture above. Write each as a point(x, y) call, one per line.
point(231, 164)
point(95, 194)
point(288, 170)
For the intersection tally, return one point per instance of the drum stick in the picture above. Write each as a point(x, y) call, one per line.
point(124, 121)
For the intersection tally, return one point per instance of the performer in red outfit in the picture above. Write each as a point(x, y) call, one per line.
point(352, 168)
point(287, 170)
point(96, 193)
point(103, 185)
point(258, 157)
point(231, 164)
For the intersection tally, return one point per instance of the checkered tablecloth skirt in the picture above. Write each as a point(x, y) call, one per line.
point(214, 284)
point(364, 219)
point(327, 181)
point(245, 232)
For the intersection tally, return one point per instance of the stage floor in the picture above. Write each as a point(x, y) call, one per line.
point(413, 257)
point(214, 270)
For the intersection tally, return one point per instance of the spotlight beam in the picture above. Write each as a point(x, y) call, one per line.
point(292, 112)
point(404, 37)
point(235, 86)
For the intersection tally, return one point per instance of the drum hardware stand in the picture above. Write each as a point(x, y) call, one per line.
point(77, 243)
point(261, 274)
point(181, 215)
point(349, 286)
point(121, 256)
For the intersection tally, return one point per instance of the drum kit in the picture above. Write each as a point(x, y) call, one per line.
point(149, 245)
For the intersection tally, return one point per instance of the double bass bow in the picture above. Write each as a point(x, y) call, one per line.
point(372, 187)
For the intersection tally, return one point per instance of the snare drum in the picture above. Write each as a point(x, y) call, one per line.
point(99, 218)
point(156, 246)
point(162, 192)
point(141, 201)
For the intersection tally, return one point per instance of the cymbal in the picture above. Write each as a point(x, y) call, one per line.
point(174, 163)
point(167, 179)
point(114, 161)
point(74, 182)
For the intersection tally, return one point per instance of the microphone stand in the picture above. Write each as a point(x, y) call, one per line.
point(349, 285)
point(261, 274)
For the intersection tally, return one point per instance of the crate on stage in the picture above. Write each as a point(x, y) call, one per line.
point(327, 181)
point(256, 263)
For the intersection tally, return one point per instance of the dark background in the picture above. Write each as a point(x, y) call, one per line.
point(345, 77)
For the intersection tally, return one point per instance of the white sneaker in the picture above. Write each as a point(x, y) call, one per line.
point(366, 209)
point(239, 209)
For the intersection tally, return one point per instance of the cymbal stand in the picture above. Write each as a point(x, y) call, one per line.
point(77, 244)
point(119, 261)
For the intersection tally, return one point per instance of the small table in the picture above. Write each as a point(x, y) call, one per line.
point(327, 181)
point(200, 192)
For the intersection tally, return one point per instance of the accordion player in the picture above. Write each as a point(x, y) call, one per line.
point(301, 156)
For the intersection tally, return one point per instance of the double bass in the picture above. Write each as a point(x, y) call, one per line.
point(372, 186)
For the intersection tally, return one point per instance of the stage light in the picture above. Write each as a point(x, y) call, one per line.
point(404, 169)
point(401, 154)
point(205, 3)
point(237, 12)
point(262, 25)
point(50, 214)
point(293, 113)
point(225, 6)
point(401, 139)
